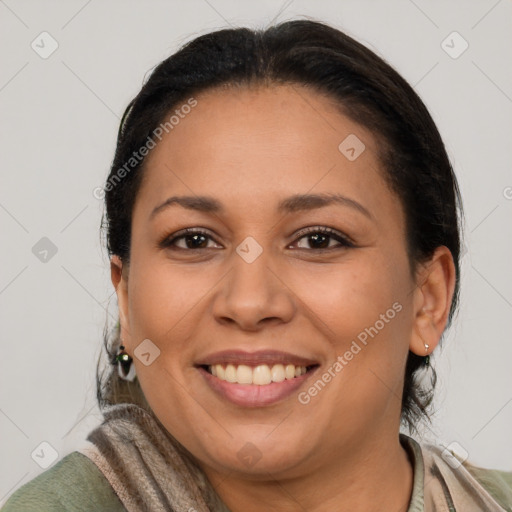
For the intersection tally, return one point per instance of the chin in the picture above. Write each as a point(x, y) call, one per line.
point(258, 456)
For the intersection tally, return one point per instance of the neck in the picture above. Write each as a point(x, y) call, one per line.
point(375, 478)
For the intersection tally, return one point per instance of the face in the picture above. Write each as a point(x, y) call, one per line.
point(277, 328)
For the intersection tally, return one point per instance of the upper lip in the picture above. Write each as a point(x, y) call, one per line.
point(269, 357)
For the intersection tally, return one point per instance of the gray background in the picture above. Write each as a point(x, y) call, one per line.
point(59, 122)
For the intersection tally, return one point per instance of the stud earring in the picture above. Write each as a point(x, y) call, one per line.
point(125, 366)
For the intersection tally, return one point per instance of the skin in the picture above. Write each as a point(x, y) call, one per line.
point(251, 148)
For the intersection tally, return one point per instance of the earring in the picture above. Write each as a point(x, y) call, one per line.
point(426, 360)
point(125, 366)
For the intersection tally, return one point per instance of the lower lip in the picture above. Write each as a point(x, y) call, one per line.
point(252, 395)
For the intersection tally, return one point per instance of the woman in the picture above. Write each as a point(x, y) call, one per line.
point(283, 225)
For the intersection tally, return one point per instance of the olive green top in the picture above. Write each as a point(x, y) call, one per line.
point(76, 484)
point(72, 484)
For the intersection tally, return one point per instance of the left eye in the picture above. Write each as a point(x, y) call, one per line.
point(321, 237)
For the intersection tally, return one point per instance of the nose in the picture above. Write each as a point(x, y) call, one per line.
point(251, 295)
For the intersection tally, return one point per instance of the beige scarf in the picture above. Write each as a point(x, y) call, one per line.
point(147, 468)
point(150, 471)
point(448, 486)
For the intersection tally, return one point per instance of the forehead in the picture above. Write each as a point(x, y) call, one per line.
point(251, 144)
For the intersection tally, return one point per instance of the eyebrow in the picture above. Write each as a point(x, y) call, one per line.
point(298, 202)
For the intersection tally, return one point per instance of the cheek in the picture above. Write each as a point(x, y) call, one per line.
point(347, 298)
point(161, 296)
point(363, 310)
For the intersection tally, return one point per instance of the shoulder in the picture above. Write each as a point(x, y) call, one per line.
point(73, 484)
point(497, 483)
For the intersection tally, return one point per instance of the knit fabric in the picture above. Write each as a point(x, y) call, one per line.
point(132, 463)
point(148, 469)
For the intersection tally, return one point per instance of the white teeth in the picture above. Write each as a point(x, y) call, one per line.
point(244, 374)
point(277, 373)
point(289, 371)
point(230, 373)
point(220, 372)
point(260, 375)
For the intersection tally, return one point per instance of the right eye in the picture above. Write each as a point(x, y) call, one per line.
point(194, 239)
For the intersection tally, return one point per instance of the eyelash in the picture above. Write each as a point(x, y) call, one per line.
point(345, 242)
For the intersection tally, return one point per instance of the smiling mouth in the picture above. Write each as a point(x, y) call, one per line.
point(260, 375)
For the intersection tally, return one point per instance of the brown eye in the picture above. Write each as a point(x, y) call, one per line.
point(320, 239)
point(193, 239)
point(196, 241)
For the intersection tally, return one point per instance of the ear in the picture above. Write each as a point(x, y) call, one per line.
point(432, 301)
point(119, 277)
